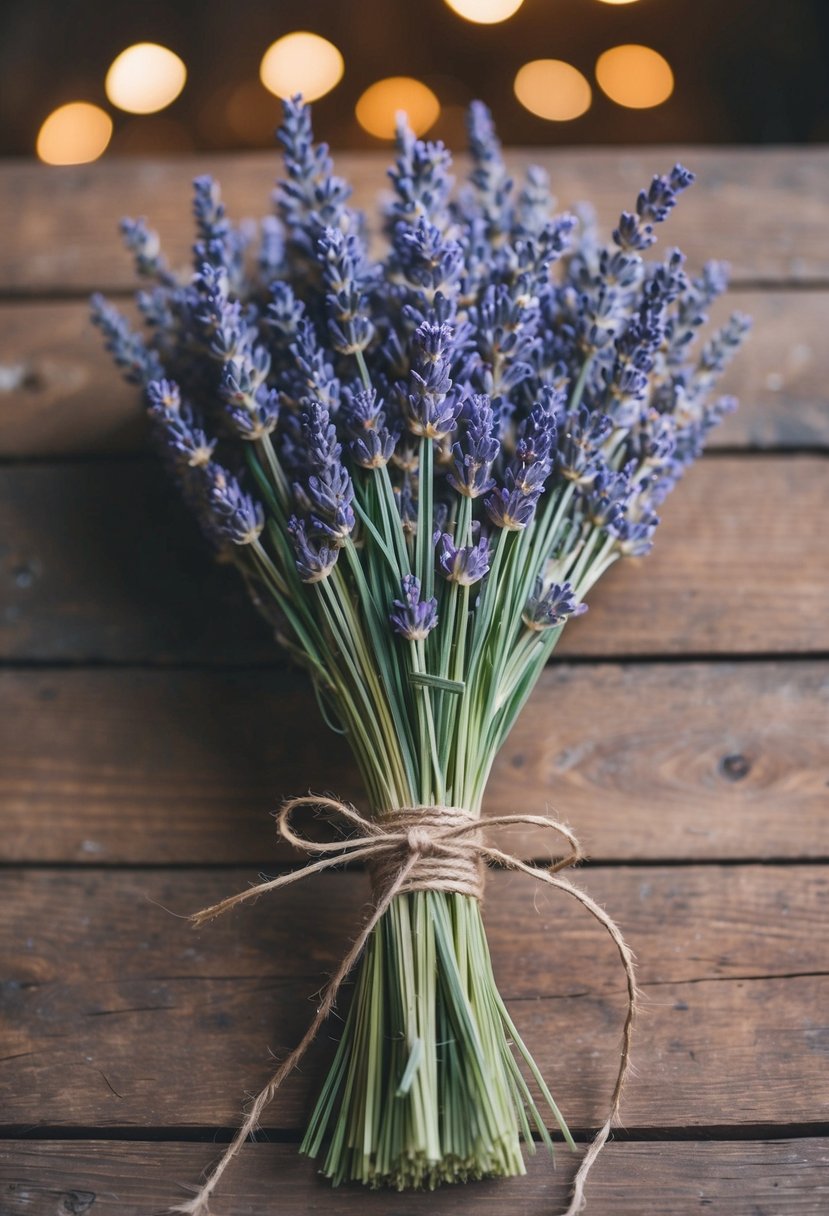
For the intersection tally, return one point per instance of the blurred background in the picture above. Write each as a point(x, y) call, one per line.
point(82, 79)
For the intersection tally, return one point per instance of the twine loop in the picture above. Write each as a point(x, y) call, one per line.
point(418, 848)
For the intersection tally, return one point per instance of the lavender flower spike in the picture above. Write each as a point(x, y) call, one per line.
point(314, 561)
point(476, 449)
point(466, 564)
point(139, 363)
point(433, 405)
point(550, 606)
point(635, 232)
point(231, 513)
point(413, 617)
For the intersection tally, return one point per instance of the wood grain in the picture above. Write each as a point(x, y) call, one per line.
point(715, 760)
point(99, 562)
point(777, 1178)
point(119, 1014)
point(60, 395)
point(765, 212)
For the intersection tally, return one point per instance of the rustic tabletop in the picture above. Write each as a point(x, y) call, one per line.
point(149, 727)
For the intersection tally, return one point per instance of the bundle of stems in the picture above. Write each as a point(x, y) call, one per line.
point(421, 465)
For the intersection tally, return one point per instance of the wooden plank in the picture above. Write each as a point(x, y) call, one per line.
point(101, 563)
point(59, 394)
point(644, 761)
point(61, 226)
point(51, 1178)
point(118, 1014)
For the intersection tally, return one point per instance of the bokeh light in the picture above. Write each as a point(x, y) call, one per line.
point(378, 107)
point(301, 63)
point(74, 134)
point(635, 76)
point(617, 1)
point(145, 78)
point(485, 12)
point(553, 89)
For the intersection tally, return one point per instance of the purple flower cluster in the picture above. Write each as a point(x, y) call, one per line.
point(551, 605)
point(412, 617)
point(554, 376)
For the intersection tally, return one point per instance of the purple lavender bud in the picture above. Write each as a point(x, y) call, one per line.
point(139, 363)
point(328, 488)
point(722, 348)
point(476, 448)
point(320, 437)
point(231, 513)
point(314, 374)
point(635, 232)
point(635, 536)
point(284, 312)
point(421, 181)
point(427, 260)
point(550, 606)
point(535, 203)
point(432, 406)
point(510, 506)
point(314, 562)
point(219, 244)
point(537, 435)
point(608, 497)
point(489, 178)
point(270, 259)
point(601, 317)
point(664, 284)
point(466, 564)
point(413, 617)
point(652, 438)
point(691, 308)
point(144, 245)
point(256, 417)
point(183, 443)
point(627, 380)
point(371, 443)
point(347, 279)
point(580, 443)
point(312, 198)
point(242, 377)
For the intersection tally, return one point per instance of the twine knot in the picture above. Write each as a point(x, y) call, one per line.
point(418, 848)
point(429, 849)
point(420, 842)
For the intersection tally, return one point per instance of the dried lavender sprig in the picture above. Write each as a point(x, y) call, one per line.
point(421, 180)
point(138, 362)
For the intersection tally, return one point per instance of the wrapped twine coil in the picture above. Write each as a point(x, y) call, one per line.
point(417, 848)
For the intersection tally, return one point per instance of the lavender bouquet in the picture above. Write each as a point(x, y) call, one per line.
point(420, 466)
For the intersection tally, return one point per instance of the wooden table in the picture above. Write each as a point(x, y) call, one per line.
point(149, 727)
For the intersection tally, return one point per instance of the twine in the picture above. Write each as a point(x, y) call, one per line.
point(420, 848)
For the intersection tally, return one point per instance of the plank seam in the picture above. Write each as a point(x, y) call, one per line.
point(273, 867)
point(673, 658)
point(206, 1134)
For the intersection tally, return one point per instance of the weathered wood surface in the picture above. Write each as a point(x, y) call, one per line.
point(99, 562)
point(120, 1015)
point(115, 1015)
point(780, 1178)
point(765, 213)
point(699, 760)
point(60, 395)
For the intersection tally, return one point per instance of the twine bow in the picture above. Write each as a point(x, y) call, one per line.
point(415, 848)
